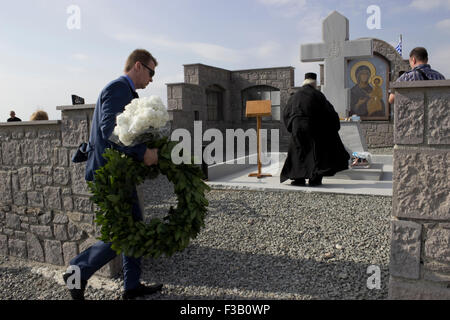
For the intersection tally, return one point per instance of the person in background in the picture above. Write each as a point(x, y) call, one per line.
point(13, 117)
point(39, 115)
point(421, 70)
point(315, 150)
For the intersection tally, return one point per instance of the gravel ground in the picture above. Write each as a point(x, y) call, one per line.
point(255, 245)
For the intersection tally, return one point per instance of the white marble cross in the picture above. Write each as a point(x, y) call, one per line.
point(336, 51)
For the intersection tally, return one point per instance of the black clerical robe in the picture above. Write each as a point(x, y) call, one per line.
point(315, 148)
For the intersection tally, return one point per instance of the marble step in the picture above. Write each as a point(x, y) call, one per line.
point(380, 170)
point(375, 173)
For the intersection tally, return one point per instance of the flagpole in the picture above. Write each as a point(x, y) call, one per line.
point(401, 45)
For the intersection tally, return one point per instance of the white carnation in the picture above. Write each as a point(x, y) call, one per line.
point(138, 116)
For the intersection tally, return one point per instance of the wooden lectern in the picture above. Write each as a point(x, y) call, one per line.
point(258, 109)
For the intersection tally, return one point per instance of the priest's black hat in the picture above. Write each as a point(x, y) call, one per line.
point(311, 75)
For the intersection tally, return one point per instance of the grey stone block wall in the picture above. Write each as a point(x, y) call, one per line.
point(279, 78)
point(420, 241)
point(378, 133)
point(186, 98)
point(396, 61)
point(182, 100)
point(45, 209)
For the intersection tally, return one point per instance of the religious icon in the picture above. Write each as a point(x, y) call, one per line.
point(367, 93)
point(375, 105)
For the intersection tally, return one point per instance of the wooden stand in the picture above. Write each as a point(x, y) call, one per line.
point(259, 109)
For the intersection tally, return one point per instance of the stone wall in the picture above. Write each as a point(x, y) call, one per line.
point(420, 243)
point(45, 210)
point(280, 78)
point(186, 98)
point(378, 133)
point(183, 99)
point(396, 61)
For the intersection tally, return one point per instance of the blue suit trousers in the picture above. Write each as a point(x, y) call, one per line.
point(100, 253)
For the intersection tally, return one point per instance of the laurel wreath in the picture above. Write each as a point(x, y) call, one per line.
point(112, 192)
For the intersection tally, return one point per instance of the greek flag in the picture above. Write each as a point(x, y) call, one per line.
point(399, 47)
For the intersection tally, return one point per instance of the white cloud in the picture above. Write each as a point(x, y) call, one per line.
point(444, 25)
point(213, 51)
point(76, 70)
point(426, 5)
point(439, 60)
point(310, 26)
point(209, 51)
point(289, 8)
point(268, 50)
point(204, 50)
point(299, 3)
point(79, 57)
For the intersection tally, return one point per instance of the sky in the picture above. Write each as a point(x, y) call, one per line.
point(51, 49)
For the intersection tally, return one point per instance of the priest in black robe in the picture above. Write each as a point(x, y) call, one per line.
point(315, 149)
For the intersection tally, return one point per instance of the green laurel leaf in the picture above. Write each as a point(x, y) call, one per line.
point(112, 191)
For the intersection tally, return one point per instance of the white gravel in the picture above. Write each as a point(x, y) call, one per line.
point(255, 245)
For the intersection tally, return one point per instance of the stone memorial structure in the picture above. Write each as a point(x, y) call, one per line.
point(336, 51)
point(352, 136)
point(420, 240)
point(217, 96)
point(342, 59)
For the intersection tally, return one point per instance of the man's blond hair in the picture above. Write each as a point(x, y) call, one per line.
point(141, 55)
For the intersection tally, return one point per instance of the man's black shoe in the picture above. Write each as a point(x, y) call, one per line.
point(315, 182)
point(76, 294)
point(141, 291)
point(299, 182)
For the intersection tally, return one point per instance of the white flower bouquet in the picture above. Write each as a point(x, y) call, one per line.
point(143, 120)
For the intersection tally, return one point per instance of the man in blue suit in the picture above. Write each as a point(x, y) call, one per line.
point(139, 72)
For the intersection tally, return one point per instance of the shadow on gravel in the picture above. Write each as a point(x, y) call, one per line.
point(258, 275)
point(221, 272)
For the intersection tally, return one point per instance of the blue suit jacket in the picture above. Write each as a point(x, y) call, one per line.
point(112, 101)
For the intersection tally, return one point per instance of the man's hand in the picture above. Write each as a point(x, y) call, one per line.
point(391, 98)
point(151, 157)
